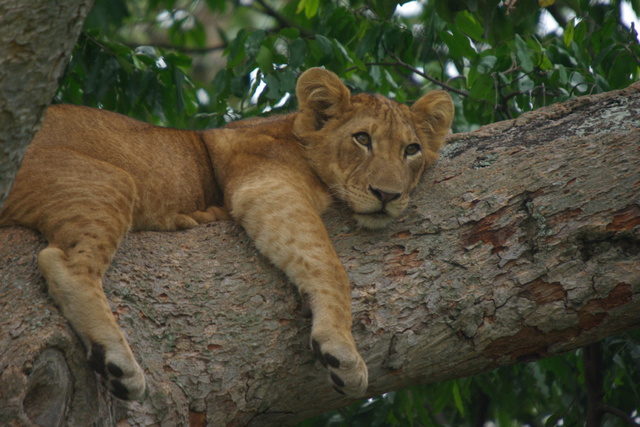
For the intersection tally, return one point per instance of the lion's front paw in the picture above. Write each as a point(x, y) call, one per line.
point(122, 375)
point(347, 371)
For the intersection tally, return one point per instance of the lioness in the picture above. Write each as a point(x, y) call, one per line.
point(90, 175)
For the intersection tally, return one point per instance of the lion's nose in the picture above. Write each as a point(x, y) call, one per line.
point(383, 196)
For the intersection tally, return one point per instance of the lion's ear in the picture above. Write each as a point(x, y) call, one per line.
point(433, 114)
point(321, 95)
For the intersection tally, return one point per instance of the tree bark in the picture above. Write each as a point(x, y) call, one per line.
point(36, 41)
point(522, 242)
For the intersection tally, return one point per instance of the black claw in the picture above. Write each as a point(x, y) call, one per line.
point(96, 359)
point(305, 311)
point(318, 353)
point(119, 390)
point(339, 391)
point(114, 370)
point(316, 348)
point(336, 379)
point(332, 360)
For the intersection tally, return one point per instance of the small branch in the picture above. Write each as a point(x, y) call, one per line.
point(284, 22)
point(483, 401)
point(592, 358)
point(401, 63)
point(97, 43)
point(369, 64)
point(183, 49)
point(617, 412)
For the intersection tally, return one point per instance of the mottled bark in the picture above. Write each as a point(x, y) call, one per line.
point(522, 242)
point(36, 40)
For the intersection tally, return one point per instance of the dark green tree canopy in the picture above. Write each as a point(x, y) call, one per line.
point(201, 64)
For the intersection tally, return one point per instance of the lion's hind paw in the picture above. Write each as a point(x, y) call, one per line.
point(122, 375)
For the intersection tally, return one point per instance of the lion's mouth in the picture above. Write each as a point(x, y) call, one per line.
point(373, 220)
point(377, 214)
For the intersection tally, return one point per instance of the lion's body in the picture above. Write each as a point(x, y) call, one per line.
point(89, 176)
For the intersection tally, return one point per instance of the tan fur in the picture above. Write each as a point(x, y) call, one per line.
point(90, 175)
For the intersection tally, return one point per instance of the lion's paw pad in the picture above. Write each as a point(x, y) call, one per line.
point(347, 371)
point(122, 375)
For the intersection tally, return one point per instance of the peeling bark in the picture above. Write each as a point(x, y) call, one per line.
point(36, 41)
point(522, 242)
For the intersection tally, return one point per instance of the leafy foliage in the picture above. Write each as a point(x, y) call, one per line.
point(199, 64)
point(492, 57)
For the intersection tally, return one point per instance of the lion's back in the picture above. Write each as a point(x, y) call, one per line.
point(88, 148)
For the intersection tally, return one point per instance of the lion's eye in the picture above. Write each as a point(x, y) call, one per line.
point(362, 138)
point(412, 149)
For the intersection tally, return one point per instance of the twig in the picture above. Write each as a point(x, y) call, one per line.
point(183, 49)
point(400, 62)
point(592, 359)
point(619, 413)
point(284, 22)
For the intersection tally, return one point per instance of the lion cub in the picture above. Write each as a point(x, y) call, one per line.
point(90, 175)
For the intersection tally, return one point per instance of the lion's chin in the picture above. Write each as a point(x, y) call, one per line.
point(373, 220)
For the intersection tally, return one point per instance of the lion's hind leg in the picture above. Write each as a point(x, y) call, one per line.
point(84, 304)
point(84, 211)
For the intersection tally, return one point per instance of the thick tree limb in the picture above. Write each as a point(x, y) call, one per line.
point(523, 242)
point(36, 41)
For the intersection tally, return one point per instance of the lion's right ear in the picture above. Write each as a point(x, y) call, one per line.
point(433, 114)
point(321, 96)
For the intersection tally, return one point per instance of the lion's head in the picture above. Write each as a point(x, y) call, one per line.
point(369, 150)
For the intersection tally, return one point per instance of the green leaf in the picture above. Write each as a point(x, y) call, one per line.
point(580, 31)
point(297, 53)
point(178, 78)
point(522, 52)
point(325, 47)
point(457, 398)
point(290, 33)
point(179, 60)
point(483, 88)
point(253, 43)
point(273, 87)
point(486, 64)
point(369, 41)
point(106, 14)
point(310, 7)
point(458, 44)
point(568, 32)
point(621, 70)
point(240, 85)
point(562, 74)
point(384, 8)
point(236, 51)
point(264, 59)
point(468, 24)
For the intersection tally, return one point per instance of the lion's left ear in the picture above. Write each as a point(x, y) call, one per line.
point(433, 114)
point(321, 96)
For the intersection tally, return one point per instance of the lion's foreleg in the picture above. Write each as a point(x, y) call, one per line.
point(289, 231)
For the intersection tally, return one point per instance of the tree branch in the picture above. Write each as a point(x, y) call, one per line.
point(592, 359)
point(522, 242)
point(401, 63)
point(184, 49)
point(620, 414)
point(284, 22)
